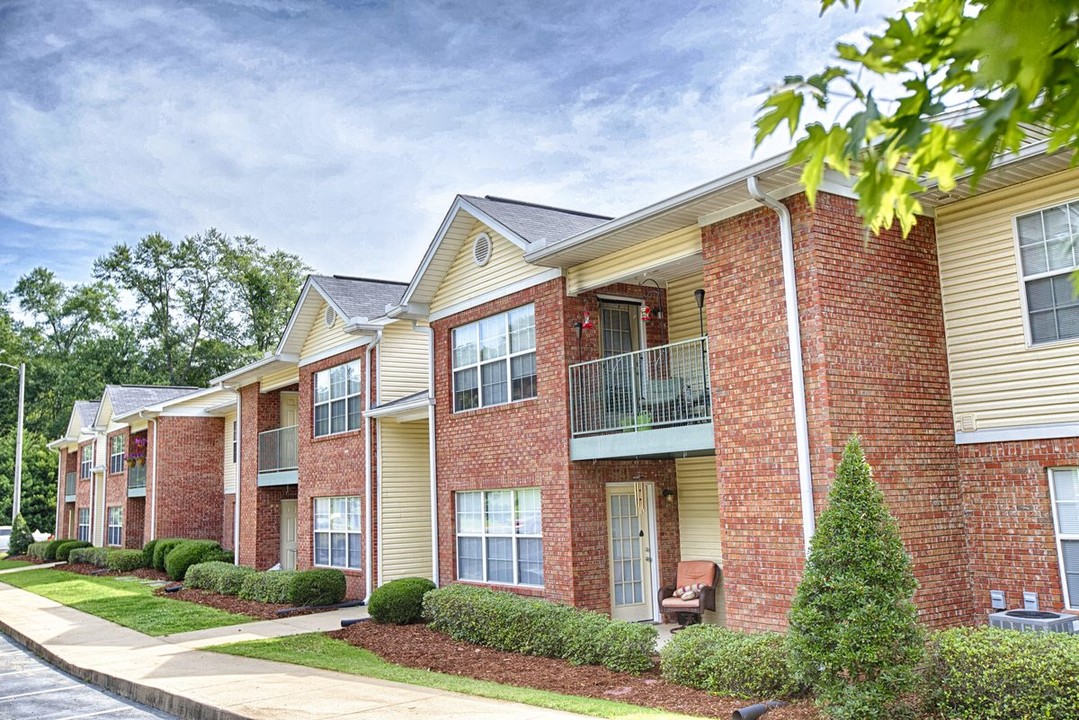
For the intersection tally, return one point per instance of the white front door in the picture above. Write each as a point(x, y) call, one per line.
point(289, 409)
point(631, 537)
point(288, 534)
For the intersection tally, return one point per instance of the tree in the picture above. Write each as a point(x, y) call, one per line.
point(38, 505)
point(20, 537)
point(854, 630)
point(266, 286)
point(1013, 64)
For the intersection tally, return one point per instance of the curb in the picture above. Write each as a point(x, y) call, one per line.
point(172, 703)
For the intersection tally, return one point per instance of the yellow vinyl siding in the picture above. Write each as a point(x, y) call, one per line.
point(402, 361)
point(322, 338)
point(465, 280)
point(698, 517)
point(634, 260)
point(229, 467)
point(281, 378)
point(683, 321)
point(994, 375)
point(405, 492)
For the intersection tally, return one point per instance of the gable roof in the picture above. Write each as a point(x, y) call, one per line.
point(123, 400)
point(536, 223)
point(86, 411)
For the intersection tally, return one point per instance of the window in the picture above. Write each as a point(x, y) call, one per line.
point(1064, 490)
point(116, 454)
point(87, 461)
point(235, 441)
point(1047, 256)
point(337, 532)
point(494, 360)
point(84, 524)
point(116, 525)
point(500, 537)
point(337, 399)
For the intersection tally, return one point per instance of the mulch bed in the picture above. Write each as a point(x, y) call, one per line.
point(229, 603)
point(88, 569)
point(417, 646)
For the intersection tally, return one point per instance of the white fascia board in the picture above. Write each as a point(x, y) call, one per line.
point(252, 372)
point(294, 314)
point(61, 442)
point(477, 300)
point(420, 403)
point(834, 183)
point(1018, 434)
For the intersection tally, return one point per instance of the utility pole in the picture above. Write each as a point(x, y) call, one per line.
point(16, 498)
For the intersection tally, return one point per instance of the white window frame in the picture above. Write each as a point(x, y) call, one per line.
point(480, 362)
point(86, 461)
point(1024, 278)
point(114, 536)
point(484, 535)
point(83, 532)
point(330, 399)
point(1060, 538)
point(322, 513)
point(235, 440)
point(116, 459)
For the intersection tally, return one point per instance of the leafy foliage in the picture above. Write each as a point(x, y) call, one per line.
point(185, 554)
point(92, 555)
point(52, 547)
point(216, 576)
point(1015, 65)
point(162, 549)
point(63, 553)
point(399, 602)
point(271, 586)
point(312, 588)
point(37, 550)
point(854, 630)
point(124, 560)
point(20, 537)
point(148, 553)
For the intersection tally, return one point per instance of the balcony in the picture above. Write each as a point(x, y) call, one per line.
point(69, 487)
point(649, 403)
point(136, 480)
point(277, 457)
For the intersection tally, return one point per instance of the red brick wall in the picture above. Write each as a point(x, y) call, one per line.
point(134, 521)
point(228, 518)
point(1009, 519)
point(329, 466)
point(69, 462)
point(189, 483)
point(83, 488)
point(116, 484)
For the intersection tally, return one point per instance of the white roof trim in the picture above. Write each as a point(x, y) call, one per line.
point(252, 367)
point(289, 327)
point(1017, 434)
point(420, 403)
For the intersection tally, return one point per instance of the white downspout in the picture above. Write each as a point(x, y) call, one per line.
point(794, 347)
point(368, 555)
point(153, 487)
point(237, 436)
point(431, 444)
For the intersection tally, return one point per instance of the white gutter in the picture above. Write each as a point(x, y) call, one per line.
point(239, 478)
point(431, 455)
point(368, 555)
point(794, 348)
point(153, 488)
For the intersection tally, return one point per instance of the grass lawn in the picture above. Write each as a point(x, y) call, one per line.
point(319, 651)
point(6, 564)
point(128, 603)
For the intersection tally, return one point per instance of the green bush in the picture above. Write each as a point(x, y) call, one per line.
point(322, 586)
point(217, 576)
point(91, 555)
point(730, 663)
point(991, 674)
point(162, 549)
point(123, 560)
point(219, 555)
point(52, 547)
point(20, 537)
point(854, 633)
point(399, 602)
point(148, 554)
point(37, 550)
point(64, 551)
point(271, 586)
point(186, 554)
point(536, 627)
point(79, 555)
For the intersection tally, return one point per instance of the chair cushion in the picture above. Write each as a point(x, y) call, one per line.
point(676, 603)
point(692, 572)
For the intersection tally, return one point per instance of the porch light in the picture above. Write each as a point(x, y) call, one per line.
point(668, 495)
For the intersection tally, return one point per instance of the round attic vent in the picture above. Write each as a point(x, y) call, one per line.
point(481, 249)
point(330, 316)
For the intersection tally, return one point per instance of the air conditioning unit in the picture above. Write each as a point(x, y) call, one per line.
point(1033, 621)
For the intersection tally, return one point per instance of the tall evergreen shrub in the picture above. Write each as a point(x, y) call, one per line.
point(854, 630)
point(20, 537)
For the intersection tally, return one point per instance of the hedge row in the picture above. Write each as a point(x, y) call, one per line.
point(64, 551)
point(537, 627)
point(219, 577)
point(37, 550)
point(111, 558)
point(280, 587)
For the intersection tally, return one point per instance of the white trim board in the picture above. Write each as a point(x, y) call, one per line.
point(1016, 434)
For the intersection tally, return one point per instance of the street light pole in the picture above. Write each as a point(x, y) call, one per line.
point(16, 499)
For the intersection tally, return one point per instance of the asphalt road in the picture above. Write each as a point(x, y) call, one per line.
point(31, 689)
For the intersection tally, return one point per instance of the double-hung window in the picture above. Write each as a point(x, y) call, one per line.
point(116, 526)
point(86, 461)
point(1048, 254)
point(337, 532)
point(337, 399)
point(500, 537)
point(494, 360)
point(1064, 490)
point(84, 525)
point(235, 440)
point(116, 454)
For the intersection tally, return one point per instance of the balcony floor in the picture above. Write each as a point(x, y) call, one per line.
point(668, 442)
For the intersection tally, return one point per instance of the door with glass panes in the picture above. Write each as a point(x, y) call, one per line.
point(620, 335)
point(630, 535)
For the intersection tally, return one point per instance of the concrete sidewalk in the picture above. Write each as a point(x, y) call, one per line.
point(168, 674)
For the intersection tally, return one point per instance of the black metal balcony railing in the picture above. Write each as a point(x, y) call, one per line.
point(136, 477)
point(277, 450)
point(660, 387)
point(69, 485)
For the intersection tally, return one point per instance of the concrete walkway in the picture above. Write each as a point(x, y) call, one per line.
point(298, 625)
point(31, 567)
point(168, 674)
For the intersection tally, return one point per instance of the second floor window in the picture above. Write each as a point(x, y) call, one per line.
point(494, 360)
point(1048, 255)
point(235, 440)
point(86, 461)
point(116, 454)
point(337, 399)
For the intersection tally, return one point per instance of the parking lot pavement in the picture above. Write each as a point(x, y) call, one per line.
point(31, 688)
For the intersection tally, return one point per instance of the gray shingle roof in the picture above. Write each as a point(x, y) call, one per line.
point(536, 223)
point(87, 410)
point(129, 398)
point(360, 297)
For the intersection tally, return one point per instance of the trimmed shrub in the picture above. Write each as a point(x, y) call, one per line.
point(186, 554)
point(323, 586)
point(64, 551)
point(91, 555)
point(730, 663)
point(21, 537)
point(53, 546)
point(990, 674)
point(162, 549)
point(271, 586)
point(148, 553)
point(219, 555)
point(399, 602)
point(123, 560)
point(854, 633)
point(37, 550)
point(217, 576)
point(79, 555)
point(536, 627)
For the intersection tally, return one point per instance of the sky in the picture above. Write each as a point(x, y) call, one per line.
point(341, 130)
